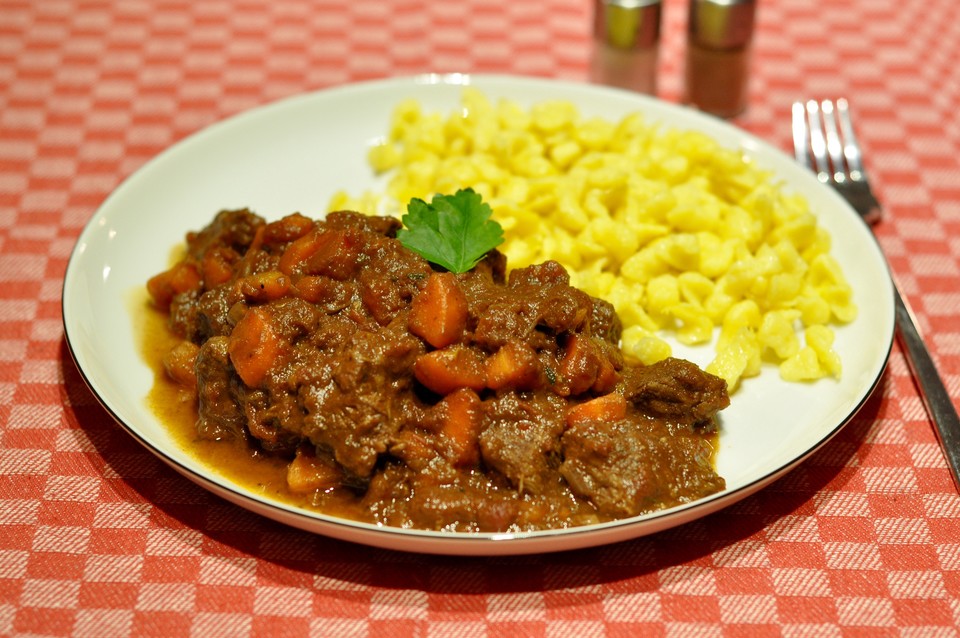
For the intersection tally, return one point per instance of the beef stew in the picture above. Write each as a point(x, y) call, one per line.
point(482, 401)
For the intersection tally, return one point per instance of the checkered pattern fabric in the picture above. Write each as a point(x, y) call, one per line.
point(98, 538)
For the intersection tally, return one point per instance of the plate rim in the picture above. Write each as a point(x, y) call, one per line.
point(427, 541)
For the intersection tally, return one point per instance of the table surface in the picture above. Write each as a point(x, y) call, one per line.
point(99, 538)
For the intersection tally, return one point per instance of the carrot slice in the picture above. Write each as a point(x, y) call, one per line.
point(452, 368)
point(265, 286)
point(513, 366)
point(182, 277)
point(311, 288)
point(179, 364)
point(460, 429)
point(287, 229)
point(257, 240)
point(254, 346)
point(308, 473)
point(607, 377)
point(216, 269)
point(295, 256)
point(580, 365)
point(438, 313)
point(609, 407)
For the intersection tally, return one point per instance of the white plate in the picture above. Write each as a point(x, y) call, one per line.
point(294, 154)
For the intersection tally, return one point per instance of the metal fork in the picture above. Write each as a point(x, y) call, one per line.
point(824, 141)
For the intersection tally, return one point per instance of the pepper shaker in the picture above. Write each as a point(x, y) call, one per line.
point(626, 37)
point(719, 38)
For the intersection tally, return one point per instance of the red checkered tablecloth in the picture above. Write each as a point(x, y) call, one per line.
point(98, 538)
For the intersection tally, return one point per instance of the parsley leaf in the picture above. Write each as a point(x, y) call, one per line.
point(453, 231)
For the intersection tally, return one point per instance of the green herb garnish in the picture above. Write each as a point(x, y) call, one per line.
point(453, 231)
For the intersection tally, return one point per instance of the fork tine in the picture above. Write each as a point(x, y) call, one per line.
point(851, 148)
point(834, 144)
point(825, 143)
point(818, 143)
point(801, 137)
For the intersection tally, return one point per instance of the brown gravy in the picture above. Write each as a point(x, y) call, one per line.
point(234, 460)
point(324, 340)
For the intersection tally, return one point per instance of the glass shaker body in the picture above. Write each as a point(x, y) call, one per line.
point(626, 41)
point(635, 70)
point(717, 80)
point(717, 73)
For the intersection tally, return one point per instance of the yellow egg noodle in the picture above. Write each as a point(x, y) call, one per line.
point(681, 235)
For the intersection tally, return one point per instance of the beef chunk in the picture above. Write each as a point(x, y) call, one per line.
point(604, 321)
point(232, 228)
point(184, 318)
point(354, 396)
point(435, 500)
point(675, 390)
point(346, 219)
point(213, 310)
point(628, 468)
point(537, 304)
point(220, 415)
point(521, 439)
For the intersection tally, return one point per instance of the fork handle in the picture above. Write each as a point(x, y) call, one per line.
point(934, 394)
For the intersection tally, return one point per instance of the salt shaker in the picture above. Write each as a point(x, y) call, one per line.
point(719, 37)
point(626, 38)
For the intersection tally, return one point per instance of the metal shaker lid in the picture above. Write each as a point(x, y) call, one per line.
point(627, 24)
point(721, 24)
